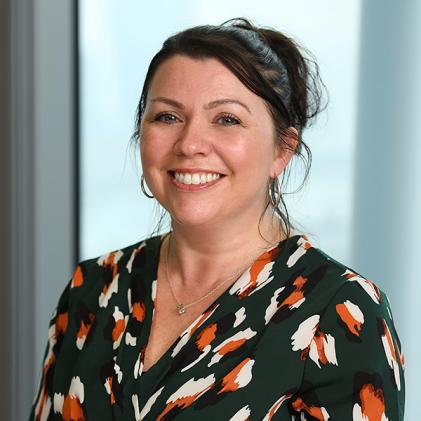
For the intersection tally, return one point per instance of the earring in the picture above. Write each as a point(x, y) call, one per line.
point(142, 187)
point(274, 192)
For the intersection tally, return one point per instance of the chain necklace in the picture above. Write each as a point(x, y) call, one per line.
point(181, 308)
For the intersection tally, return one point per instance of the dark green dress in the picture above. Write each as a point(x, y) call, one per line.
point(298, 336)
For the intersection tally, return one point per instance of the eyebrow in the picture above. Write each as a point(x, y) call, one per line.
point(223, 101)
point(209, 106)
point(168, 101)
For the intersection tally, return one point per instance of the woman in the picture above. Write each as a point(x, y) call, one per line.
point(231, 315)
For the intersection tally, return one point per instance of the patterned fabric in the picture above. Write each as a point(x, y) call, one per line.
point(298, 336)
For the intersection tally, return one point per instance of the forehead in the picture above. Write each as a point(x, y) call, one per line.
point(181, 75)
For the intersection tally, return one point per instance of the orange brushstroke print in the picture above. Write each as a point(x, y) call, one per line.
point(231, 346)
point(77, 280)
point(109, 262)
point(307, 245)
point(231, 382)
point(372, 403)
point(353, 325)
point(320, 340)
point(202, 318)
point(183, 403)
point(316, 412)
point(256, 269)
point(44, 393)
point(118, 329)
point(139, 311)
point(297, 294)
point(206, 336)
point(70, 405)
point(85, 327)
point(61, 323)
point(72, 409)
point(187, 394)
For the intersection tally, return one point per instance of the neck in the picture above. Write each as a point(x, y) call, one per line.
point(202, 256)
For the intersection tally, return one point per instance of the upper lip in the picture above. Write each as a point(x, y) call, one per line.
point(195, 170)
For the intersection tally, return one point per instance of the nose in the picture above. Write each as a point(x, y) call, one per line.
point(193, 140)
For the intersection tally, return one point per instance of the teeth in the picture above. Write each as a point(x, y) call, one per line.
point(196, 178)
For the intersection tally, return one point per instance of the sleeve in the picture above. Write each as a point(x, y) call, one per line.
point(354, 366)
point(42, 407)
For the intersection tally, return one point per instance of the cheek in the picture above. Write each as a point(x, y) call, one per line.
point(152, 149)
point(144, 158)
point(253, 158)
point(162, 137)
point(149, 161)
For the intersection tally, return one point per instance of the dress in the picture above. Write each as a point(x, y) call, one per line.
point(299, 336)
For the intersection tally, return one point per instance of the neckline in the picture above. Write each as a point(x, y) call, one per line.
point(186, 335)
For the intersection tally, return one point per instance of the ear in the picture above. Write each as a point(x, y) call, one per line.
point(284, 153)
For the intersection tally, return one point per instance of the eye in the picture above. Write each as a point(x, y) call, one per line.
point(166, 118)
point(228, 120)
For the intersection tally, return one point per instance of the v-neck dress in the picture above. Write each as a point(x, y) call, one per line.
point(299, 336)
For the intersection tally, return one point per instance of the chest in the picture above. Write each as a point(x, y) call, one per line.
point(167, 324)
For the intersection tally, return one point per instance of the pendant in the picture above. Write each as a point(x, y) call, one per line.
point(181, 309)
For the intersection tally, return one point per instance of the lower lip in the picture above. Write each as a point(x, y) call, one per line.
point(194, 187)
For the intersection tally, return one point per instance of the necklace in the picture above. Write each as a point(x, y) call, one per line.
point(181, 308)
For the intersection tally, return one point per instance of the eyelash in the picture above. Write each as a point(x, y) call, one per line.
point(160, 115)
point(230, 116)
point(158, 118)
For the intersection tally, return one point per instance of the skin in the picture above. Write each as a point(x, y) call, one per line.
point(189, 124)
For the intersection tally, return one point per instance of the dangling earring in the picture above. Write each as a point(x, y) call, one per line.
point(275, 192)
point(142, 187)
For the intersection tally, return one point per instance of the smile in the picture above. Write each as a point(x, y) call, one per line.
point(194, 181)
point(196, 178)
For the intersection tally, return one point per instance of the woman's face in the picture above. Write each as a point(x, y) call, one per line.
point(207, 144)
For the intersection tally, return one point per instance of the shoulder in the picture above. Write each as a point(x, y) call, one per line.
point(117, 257)
point(331, 278)
point(97, 281)
point(112, 263)
point(347, 337)
point(339, 303)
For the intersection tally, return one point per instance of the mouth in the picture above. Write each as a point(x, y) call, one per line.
point(195, 180)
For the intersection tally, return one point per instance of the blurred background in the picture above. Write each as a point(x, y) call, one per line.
point(70, 79)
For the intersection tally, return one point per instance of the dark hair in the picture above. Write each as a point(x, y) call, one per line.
point(268, 63)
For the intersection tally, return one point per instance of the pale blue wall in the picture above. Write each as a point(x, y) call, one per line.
point(387, 200)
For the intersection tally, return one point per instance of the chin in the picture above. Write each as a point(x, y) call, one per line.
point(194, 218)
point(193, 221)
